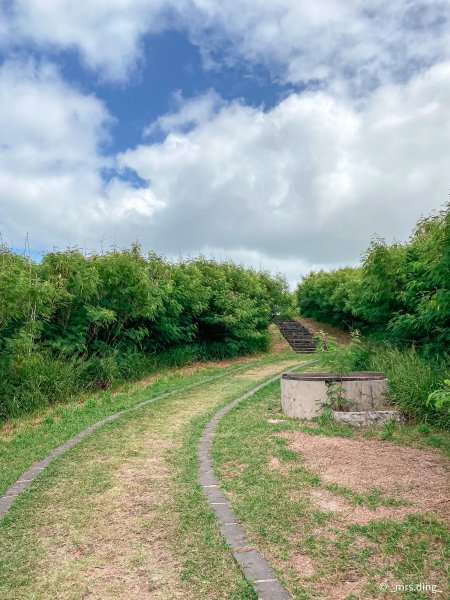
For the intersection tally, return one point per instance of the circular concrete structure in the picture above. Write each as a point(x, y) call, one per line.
point(304, 394)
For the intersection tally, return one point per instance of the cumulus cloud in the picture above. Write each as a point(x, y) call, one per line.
point(51, 163)
point(187, 113)
point(314, 177)
point(302, 185)
point(107, 35)
point(365, 43)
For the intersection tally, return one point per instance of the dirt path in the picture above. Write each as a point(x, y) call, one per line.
point(103, 521)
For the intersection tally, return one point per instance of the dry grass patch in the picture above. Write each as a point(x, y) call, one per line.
point(418, 476)
point(267, 370)
point(278, 342)
point(335, 516)
point(278, 466)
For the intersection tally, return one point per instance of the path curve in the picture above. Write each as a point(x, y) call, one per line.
point(29, 476)
point(256, 569)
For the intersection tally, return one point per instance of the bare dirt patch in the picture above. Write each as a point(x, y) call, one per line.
point(343, 587)
point(419, 476)
point(302, 564)
point(275, 464)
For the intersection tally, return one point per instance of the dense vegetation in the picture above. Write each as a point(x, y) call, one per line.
point(400, 295)
point(74, 322)
point(401, 292)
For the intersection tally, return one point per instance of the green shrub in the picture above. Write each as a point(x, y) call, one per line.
point(412, 378)
point(76, 322)
point(415, 381)
point(400, 293)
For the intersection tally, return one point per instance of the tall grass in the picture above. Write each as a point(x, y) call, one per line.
point(412, 377)
point(39, 379)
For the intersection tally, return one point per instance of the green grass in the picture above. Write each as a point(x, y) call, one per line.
point(412, 377)
point(124, 507)
point(275, 507)
point(25, 440)
point(373, 498)
point(91, 516)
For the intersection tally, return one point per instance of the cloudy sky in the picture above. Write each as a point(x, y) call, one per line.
point(281, 133)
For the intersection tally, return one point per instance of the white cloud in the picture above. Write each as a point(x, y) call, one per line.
point(363, 42)
point(303, 184)
point(314, 177)
point(360, 41)
point(188, 113)
point(107, 34)
point(51, 162)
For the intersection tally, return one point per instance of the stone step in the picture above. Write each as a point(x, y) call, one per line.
point(298, 337)
point(302, 346)
point(294, 332)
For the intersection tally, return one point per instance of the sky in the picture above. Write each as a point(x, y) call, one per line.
point(282, 134)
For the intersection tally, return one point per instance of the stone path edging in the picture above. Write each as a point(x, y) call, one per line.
point(29, 476)
point(256, 569)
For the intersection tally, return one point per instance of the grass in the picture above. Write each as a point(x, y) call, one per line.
point(122, 512)
point(412, 377)
point(275, 507)
point(373, 498)
point(27, 439)
point(24, 441)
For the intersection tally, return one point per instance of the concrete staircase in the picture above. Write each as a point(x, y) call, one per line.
point(299, 338)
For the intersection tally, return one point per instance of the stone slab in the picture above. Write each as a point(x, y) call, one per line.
point(270, 590)
point(368, 418)
point(255, 566)
point(234, 534)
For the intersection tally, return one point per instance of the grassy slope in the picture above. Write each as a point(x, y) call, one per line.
point(121, 515)
point(27, 439)
point(275, 509)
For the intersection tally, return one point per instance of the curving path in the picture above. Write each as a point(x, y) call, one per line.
point(29, 476)
point(256, 569)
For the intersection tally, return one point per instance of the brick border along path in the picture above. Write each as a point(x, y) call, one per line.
point(255, 566)
point(256, 569)
point(29, 476)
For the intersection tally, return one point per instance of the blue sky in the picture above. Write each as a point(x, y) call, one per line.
point(281, 133)
point(171, 63)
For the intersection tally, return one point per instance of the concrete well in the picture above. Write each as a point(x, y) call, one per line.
point(302, 394)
